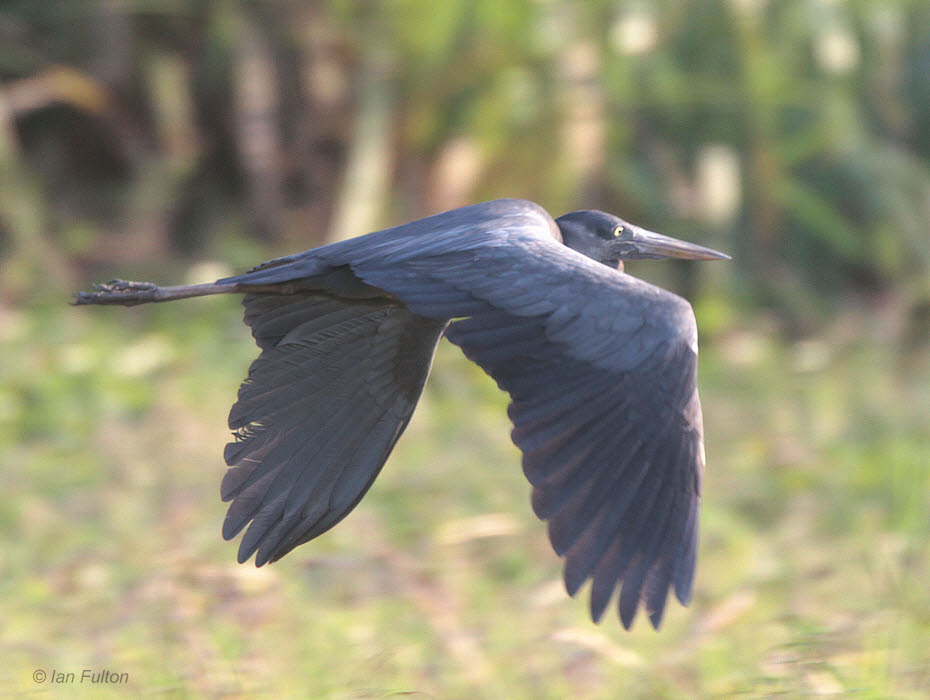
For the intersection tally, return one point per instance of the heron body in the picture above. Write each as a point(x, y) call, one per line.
point(600, 368)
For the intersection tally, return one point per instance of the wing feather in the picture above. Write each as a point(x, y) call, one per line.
point(333, 388)
point(613, 455)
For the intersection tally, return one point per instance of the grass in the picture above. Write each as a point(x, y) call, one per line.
point(812, 577)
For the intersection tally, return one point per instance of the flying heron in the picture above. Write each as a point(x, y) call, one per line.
point(600, 368)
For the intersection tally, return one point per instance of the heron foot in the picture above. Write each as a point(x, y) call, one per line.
point(121, 292)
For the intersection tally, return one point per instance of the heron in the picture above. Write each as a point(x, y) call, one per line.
point(600, 367)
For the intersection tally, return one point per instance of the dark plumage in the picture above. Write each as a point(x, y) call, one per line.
point(600, 368)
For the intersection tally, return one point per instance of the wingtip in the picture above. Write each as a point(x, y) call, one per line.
point(684, 594)
point(597, 608)
point(231, 528)
point(262, 558)
point(628, 614)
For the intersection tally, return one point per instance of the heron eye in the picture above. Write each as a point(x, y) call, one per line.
point(618, 231)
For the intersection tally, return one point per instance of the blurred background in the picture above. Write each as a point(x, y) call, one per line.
point(186, 140)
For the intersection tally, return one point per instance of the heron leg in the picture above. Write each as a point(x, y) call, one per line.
point(128, 293)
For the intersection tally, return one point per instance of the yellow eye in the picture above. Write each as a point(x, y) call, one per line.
point(618, 231)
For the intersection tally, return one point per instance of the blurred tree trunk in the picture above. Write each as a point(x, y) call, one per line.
point(257, 118)
point(30, 258)
point(314, 112)
point(584, 135)
point(365, 183)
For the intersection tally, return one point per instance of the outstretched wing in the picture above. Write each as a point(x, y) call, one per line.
point(323, 405)
point(615, 456)
point(601, 370)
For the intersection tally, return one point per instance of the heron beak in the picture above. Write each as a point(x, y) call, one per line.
point(655, 245)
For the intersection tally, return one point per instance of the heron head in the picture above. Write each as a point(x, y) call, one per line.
point(611, 240)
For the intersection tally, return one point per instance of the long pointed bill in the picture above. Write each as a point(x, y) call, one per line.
point(649, 243)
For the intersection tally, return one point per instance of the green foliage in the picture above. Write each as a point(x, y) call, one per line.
point(614, 105)
point(811, 579)
point(791, 134)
